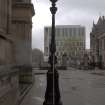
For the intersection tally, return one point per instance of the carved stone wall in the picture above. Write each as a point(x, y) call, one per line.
point(15, 48)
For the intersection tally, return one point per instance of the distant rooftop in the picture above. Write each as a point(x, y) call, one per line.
point(67, 26)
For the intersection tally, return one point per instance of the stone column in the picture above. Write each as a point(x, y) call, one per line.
point(22, 13)
point(5, 14)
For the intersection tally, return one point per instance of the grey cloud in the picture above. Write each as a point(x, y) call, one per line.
point(84, 4)
point(73, 12)
point(92, 7)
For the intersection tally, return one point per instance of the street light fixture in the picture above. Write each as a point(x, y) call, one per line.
point(52, 95)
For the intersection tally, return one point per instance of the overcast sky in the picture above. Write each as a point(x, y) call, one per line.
point(70, 12)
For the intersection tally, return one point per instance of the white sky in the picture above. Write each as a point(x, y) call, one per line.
point(70, 12)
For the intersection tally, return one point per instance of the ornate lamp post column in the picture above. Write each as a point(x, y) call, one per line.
point(52, 95)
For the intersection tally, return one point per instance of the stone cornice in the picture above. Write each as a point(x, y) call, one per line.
point(21, 20)
point(24, 5)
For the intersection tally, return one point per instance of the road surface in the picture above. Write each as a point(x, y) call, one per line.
point(77, 87)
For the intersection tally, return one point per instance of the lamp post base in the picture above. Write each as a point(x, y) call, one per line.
point(50, 103)
point(52, 95)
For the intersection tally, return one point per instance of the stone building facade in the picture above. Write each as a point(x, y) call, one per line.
point(97, 42)
point(15, 49)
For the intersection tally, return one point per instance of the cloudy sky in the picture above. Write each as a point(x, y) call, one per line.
point(70, 12)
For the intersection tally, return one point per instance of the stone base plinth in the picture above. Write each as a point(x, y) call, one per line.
point(9, 87)
point(26, 75)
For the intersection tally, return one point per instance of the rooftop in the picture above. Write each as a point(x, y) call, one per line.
point(67, 26)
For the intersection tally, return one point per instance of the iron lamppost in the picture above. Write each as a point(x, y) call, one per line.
point(52, 94)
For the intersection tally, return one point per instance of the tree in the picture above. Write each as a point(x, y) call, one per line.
point(37, 57)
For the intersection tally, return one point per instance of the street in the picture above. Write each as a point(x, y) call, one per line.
point(77, 87)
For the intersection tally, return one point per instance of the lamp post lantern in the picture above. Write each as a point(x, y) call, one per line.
point(52, 94)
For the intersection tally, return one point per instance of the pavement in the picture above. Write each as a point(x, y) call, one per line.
point(77, 87)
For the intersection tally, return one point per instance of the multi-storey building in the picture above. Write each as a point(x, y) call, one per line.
point(70, 42)
point(97, 42)
point(15, 49)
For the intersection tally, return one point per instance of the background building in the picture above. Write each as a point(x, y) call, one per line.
point(70, 41)
point(97, 42)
